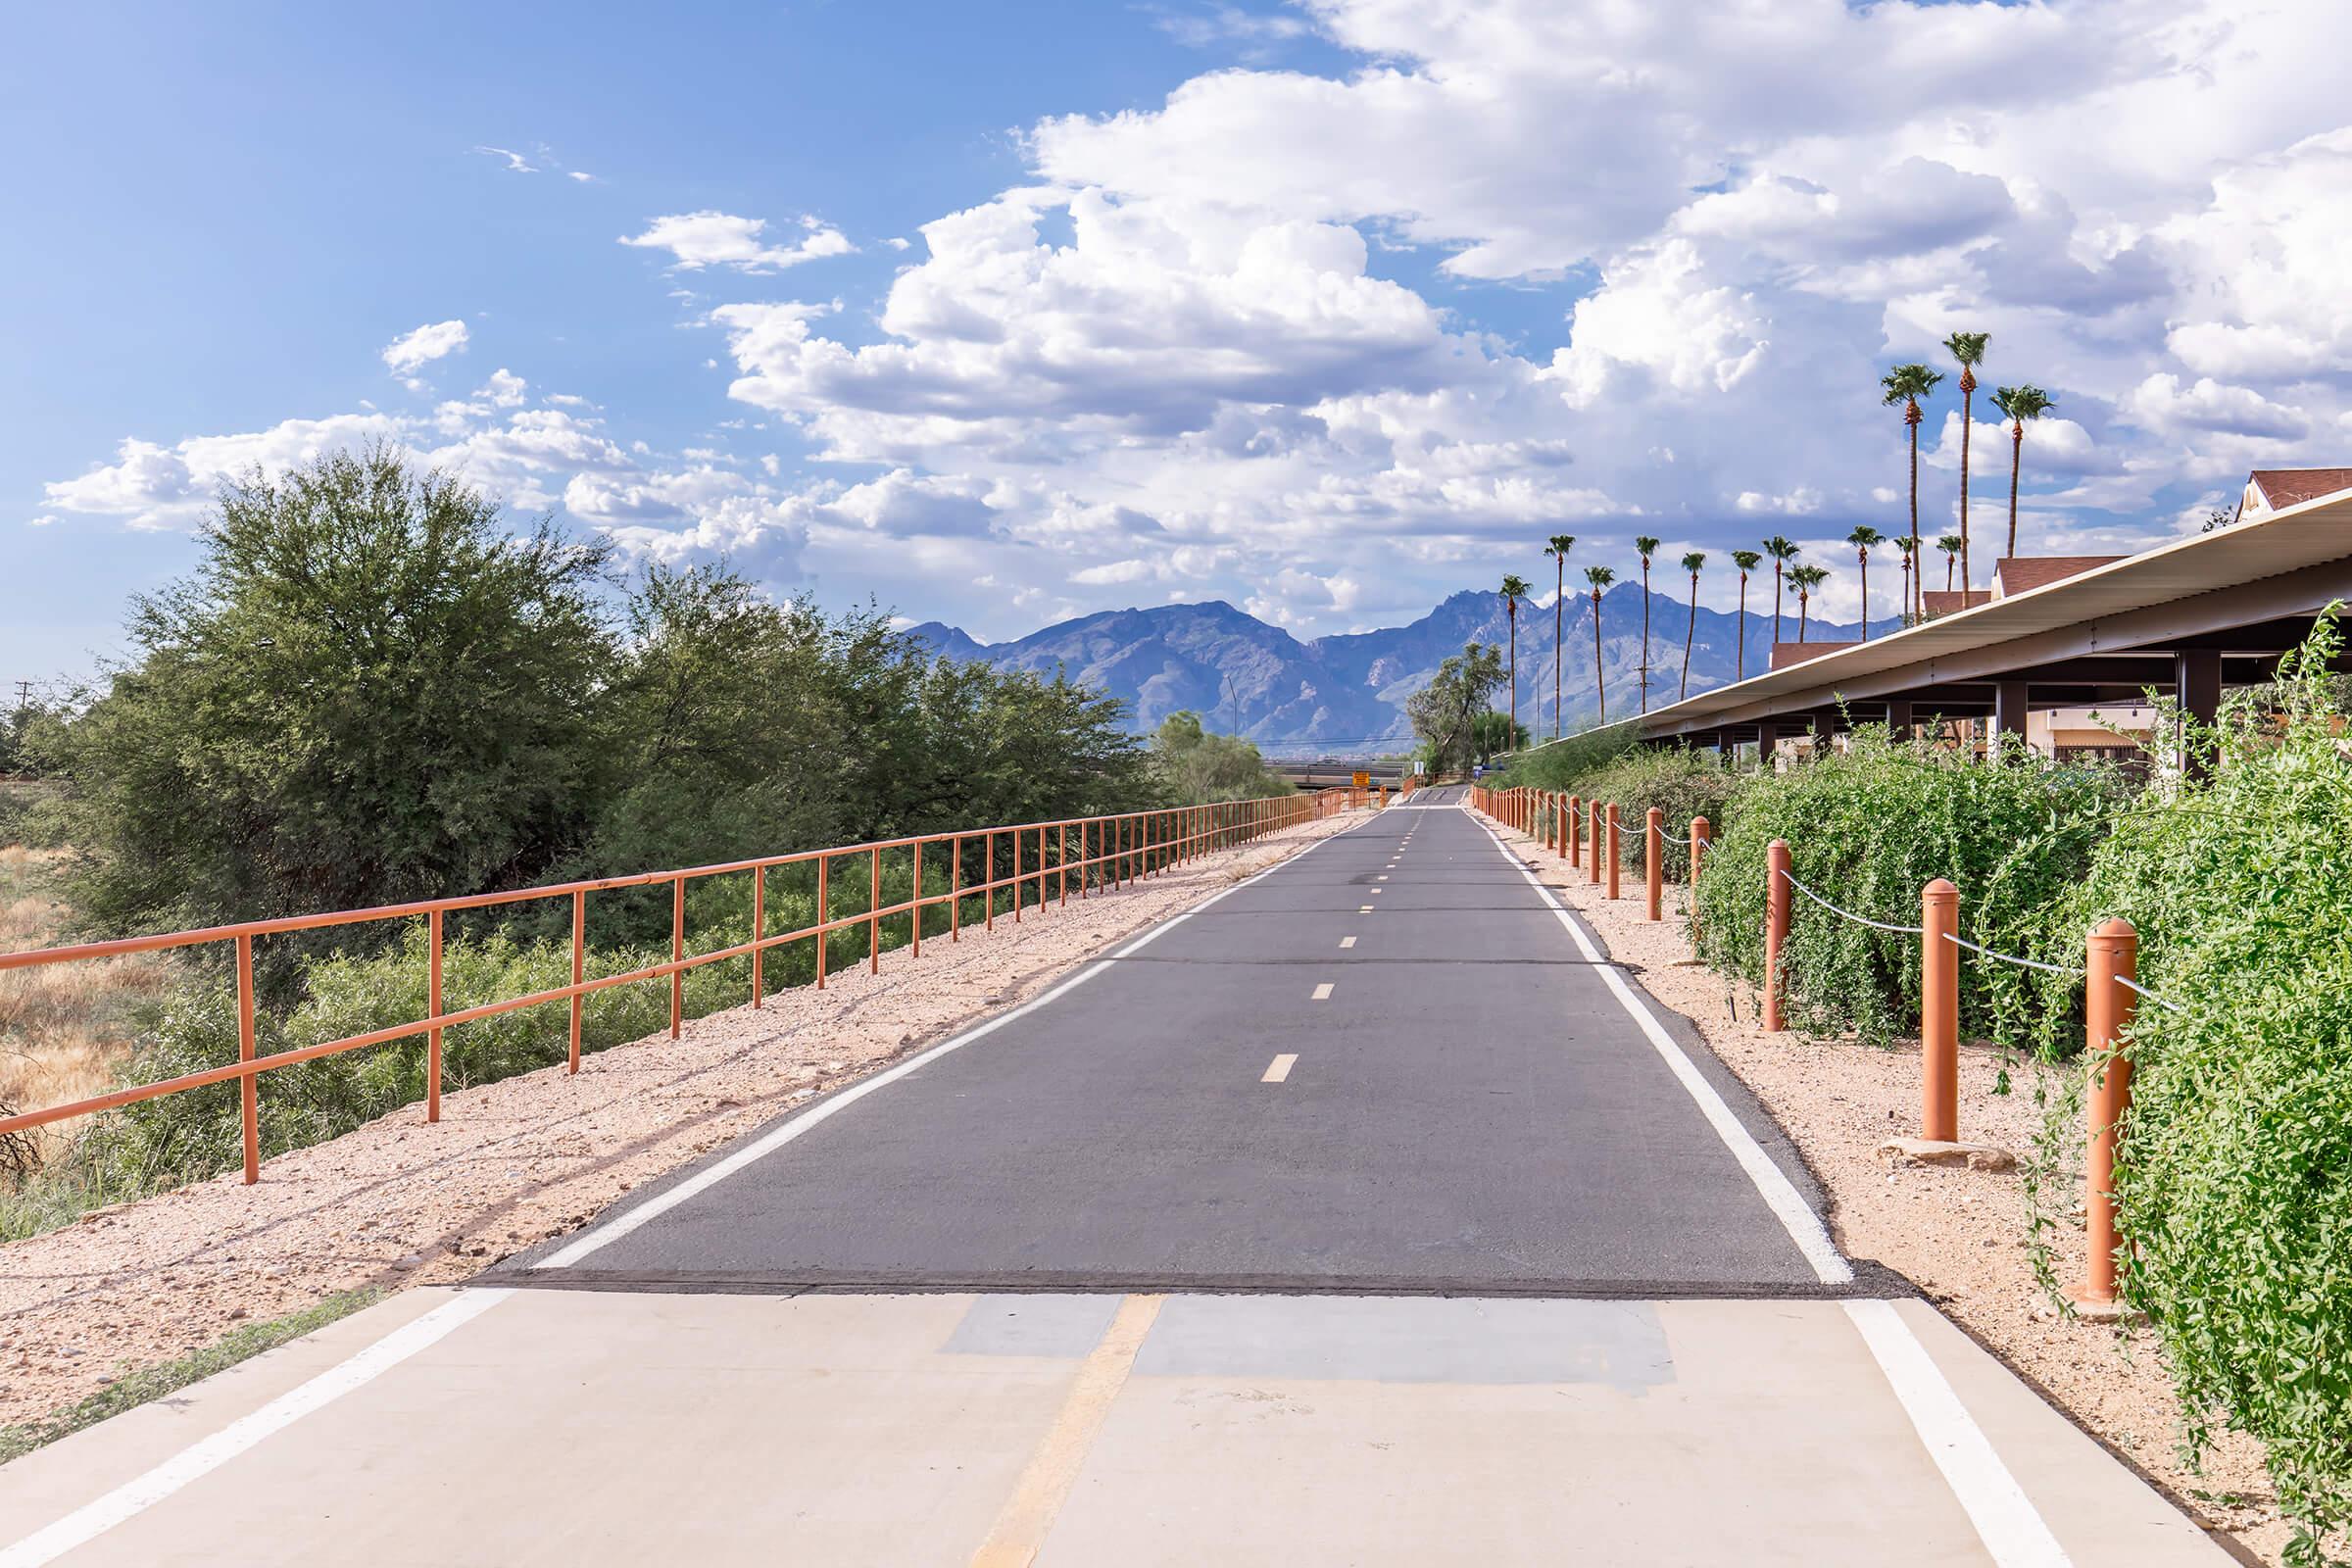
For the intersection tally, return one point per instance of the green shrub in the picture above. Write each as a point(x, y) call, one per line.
point(1561, 765)
point(2234, 1181)
point(1869, 828)
point(1681, 783)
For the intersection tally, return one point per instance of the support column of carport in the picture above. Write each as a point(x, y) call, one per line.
point(2197, 687)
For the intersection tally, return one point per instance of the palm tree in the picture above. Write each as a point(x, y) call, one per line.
point(1969, 349)
point(1558, 549)
point(1910, 549)
point(1862, 539)
point(1907, 384)
point(1645, 546)
point(2020, 402)
point(1781, 553)
point(1806, 579)
point(1690, 564)
point(1746, 561)
point(1599, 578)
point(1514, 589)
point(1950, 544)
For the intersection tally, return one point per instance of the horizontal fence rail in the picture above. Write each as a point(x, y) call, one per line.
point(1032, 862)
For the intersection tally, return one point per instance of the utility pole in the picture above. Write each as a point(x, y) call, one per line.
point(24, 695)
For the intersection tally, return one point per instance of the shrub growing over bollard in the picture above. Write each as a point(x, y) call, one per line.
point(1868, 828)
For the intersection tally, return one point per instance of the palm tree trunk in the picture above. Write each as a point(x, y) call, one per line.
point(1968, 429)
point(1776, 611)
point(2017, 454)
point(1688, 632)
point(1803, 600)
point(1947, 576)
point(1644, 697)
point(1601, 687)
point(1911, 423)
point(1512, 604)
point(1864, 555)
point(1559, 599)
point(1739, 668)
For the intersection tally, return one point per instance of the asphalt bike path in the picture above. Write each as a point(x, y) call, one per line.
point(1363, 1214)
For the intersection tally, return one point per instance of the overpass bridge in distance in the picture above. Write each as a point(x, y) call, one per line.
point(1329, 772)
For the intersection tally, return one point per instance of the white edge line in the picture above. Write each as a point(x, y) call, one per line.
point(93, 1519)
point(2012, 1529)
point(621, 1225)
point(1796, 1217)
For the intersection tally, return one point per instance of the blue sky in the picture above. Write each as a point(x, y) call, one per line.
point(999, 314)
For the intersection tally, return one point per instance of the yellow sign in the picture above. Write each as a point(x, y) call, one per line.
point(1363, 780)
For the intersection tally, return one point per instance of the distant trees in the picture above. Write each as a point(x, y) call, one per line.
point(1746, 561)
point(1906, 384)
point(1862, 539)
point(2020, 403)
point(1950, 544)
point(1968, 348)
point(1805, 579)
point(1645, 547)
point(1193, 766)
point(1599, 578)
point(1557, 548)
point(1444, 711)
point(1492, 734)
point(1514, 589)
point(370, 690)
point(1782, 552)
point(1691, 564)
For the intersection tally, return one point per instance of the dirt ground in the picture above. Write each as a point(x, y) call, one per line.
point(398, 1203)
point(1959, 1234)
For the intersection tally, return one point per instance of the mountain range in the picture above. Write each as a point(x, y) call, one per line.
point(1344, 695)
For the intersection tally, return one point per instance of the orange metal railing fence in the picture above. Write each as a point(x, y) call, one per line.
point(1032, 862)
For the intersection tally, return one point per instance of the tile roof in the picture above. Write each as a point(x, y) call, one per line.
point(2017, 574)
point(2287, 487)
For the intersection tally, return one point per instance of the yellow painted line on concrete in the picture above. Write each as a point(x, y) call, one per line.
point(1323, 991)
point(1028, 1515)
point(1347, 942)
point(1279, 1068)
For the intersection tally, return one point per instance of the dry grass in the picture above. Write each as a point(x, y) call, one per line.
point(63, 1027)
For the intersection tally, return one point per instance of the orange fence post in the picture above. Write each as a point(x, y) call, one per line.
point(1062, 861)
point(916, 899)
point(955, 889)
point(1938, 1012)
point(1612, 848)
point(873, 906)
point(1700, 830)
point(824, 938)
point(1016, 836)
point(579, 972)
point(1654, 861)
point(988, 885)
point(432, 1038)
point(1593, 834)
point(249, 1086)
point(1776, 928)
point(1576, 830)
point(759, 929)
point(2107, 1007)
point(677, 954)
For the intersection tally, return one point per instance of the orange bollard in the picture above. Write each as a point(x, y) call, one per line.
point(1612, 848)
point(1701, 832)
point(1593, 841)
point(2107, 1007)
point(1938, 1012)
point(1653, 862)
point(1560, 828)
point(1576, 830)
point(1776, 929)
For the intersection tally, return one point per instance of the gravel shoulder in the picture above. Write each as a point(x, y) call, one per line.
point(399, 1203)
point(1960, 1235)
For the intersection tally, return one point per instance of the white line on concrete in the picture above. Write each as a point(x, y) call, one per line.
point(621, 1225)
point(2013, 1530)
point(133, 1498)
point(1366, 910)
point(1347, 942)
point(1279, 1068)
point(1323, 991)
point(1803, 1226)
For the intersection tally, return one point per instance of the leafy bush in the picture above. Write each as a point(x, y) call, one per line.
point(1869, 828)
point(1561, 765)
point(2235, 1179)
point(1682, 784)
